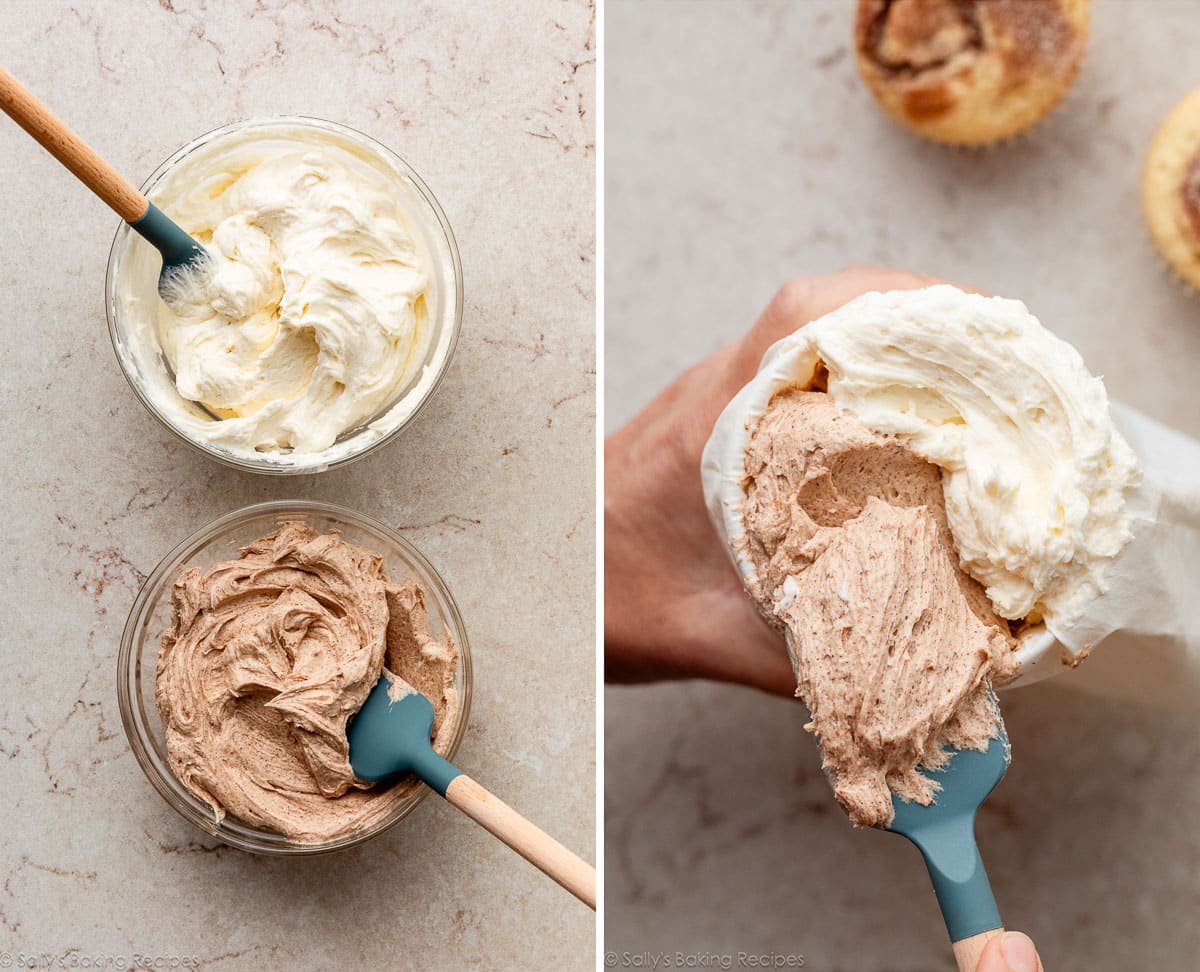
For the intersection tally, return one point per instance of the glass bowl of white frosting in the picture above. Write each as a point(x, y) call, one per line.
point(332, 310)
point(152, 616)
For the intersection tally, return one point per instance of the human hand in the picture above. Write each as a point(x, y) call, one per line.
point(1010, 952)
point(674, 606)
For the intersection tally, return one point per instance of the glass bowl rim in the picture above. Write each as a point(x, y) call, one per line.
point(130, 699)
point(230, 459)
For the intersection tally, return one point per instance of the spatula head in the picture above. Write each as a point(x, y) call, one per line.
point(965, 783)
point(944, 832)
point(182, 256)
point(391, 731)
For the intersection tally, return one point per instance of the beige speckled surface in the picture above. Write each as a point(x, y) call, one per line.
point(742, 149)
point(494, 107)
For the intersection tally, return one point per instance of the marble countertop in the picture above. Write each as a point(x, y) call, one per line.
point(494, 106)
point(741, 150)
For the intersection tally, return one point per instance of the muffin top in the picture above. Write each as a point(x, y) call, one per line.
point(969, 72)
point(1171, 189)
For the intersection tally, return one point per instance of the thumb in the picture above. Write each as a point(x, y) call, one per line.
point(1010, 952)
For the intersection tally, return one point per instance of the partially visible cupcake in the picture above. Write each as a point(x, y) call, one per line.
point(970, 72)
point(1171, 189)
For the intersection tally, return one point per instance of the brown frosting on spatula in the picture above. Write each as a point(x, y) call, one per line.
point(892, 644)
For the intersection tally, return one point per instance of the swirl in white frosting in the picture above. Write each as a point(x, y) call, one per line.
point(315, 318)
point(307, 322)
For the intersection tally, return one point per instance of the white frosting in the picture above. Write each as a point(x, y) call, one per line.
point(1034, 471)
point(314, 319)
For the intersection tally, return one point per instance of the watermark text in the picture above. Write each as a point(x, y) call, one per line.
point(652, 961)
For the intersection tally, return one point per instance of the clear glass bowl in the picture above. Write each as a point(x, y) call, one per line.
point(151, 616)
point(148, 373)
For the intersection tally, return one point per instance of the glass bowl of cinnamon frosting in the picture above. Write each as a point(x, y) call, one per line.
point(251, 645)
point(330, 310)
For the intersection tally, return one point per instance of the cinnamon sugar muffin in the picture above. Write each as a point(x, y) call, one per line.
point(969, 72)
point(1171, 189)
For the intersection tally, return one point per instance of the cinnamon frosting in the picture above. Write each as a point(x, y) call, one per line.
point(893, 645)
point(267, 658)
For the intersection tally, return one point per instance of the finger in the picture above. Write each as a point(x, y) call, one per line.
point(767, 673)
point(802, 300)
point(751, 652)
point(1010, 952)
point(722, 638)
point(770, 673)
point(805, 299)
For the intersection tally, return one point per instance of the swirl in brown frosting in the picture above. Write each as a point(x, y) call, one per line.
point(915, 36)
point(267, 658)
point(920, 35)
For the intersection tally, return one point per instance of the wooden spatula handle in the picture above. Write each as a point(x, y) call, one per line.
point(536, 846)
point(967, 951)
point(53, 134)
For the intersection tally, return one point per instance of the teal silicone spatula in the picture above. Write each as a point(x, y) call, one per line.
point(390, 735)
point(178, 249)
point(944, 832)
